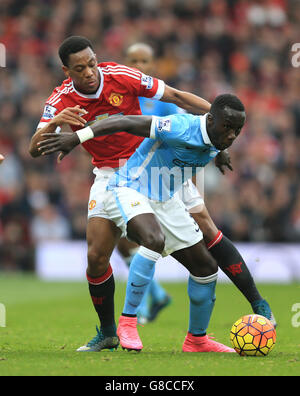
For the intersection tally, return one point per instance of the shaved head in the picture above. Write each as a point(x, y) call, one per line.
point(140, 47)
point(141, 56)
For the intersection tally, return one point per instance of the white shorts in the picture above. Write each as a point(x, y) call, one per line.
point(191, 197)
point(181, 231)
point(98, 189)
point(189, 194)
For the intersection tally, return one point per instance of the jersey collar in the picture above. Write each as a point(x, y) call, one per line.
point(203, 129)
point(97, 94)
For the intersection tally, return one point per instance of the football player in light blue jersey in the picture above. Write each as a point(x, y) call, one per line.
point(141, 56)
point(163, 226)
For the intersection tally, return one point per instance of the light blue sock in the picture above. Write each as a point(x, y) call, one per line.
point(157, 292)
point(143, 309)
point(141, 273)
point(201, 292)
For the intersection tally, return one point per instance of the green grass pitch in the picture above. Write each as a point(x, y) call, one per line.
point(46, 322)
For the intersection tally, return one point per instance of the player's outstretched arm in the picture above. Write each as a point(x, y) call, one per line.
point(1, 158)
point(186, 100)
point(70, 115)
point(65, 142)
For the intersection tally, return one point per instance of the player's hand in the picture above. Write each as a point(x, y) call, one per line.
point(63, 142)
point(1, 158)
point(71, 116)
point(223, 161)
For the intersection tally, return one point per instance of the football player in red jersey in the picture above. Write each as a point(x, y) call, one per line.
point(93, 91)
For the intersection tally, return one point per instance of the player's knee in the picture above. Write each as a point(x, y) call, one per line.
point(153, 241)
point(97, 262)
point(207, 267)
point(210, 266)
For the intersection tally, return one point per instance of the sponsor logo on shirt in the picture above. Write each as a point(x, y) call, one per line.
point(135, 203)
point(163, 125)
point(49, 112)
point(147, 81)
point(102, 117)
point(115, 99)
point(185, 164)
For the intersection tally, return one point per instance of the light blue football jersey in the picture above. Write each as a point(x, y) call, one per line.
point(177, 149)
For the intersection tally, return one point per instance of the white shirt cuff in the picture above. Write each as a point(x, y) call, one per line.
point(152, 128)
point(160, 90)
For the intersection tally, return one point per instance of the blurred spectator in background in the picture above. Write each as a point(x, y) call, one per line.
point(206, 47)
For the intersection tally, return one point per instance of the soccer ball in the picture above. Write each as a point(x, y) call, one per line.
point(253, 335)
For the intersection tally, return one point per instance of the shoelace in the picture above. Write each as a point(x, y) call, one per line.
point(99, 337)
point(264, 310)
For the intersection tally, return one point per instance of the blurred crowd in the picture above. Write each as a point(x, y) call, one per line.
point(206, 47)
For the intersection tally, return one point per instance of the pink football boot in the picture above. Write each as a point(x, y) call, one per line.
point(203, 344)
point(128, 334)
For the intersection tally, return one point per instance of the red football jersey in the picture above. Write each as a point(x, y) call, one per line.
point(120, 87)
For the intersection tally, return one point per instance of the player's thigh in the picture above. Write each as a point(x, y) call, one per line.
point(194, 203)
point(178, 226)
point(197, 260)
point(146, 231)
point(206, 224)
point(133, 215)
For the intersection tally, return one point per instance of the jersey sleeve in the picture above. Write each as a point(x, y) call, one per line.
point(140, 84)
point(169, 129)
point(51, 109)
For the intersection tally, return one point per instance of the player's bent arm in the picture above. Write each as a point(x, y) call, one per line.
point(186, 100)
point(65, 142)
point(135, 125)
point(70, 116)
point(37, 137)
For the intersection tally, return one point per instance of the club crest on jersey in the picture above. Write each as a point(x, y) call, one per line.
point(115, 99)
point(147, 81)
point(49, 112)
point(92, 204)
point(163, 125)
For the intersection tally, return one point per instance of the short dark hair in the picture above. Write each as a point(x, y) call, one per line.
point(72, 45)
point(229, 100)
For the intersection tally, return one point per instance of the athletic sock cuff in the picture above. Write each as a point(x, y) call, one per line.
point(206, 279)
point(101, 279)
point(217, 239)
point(149, 254)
